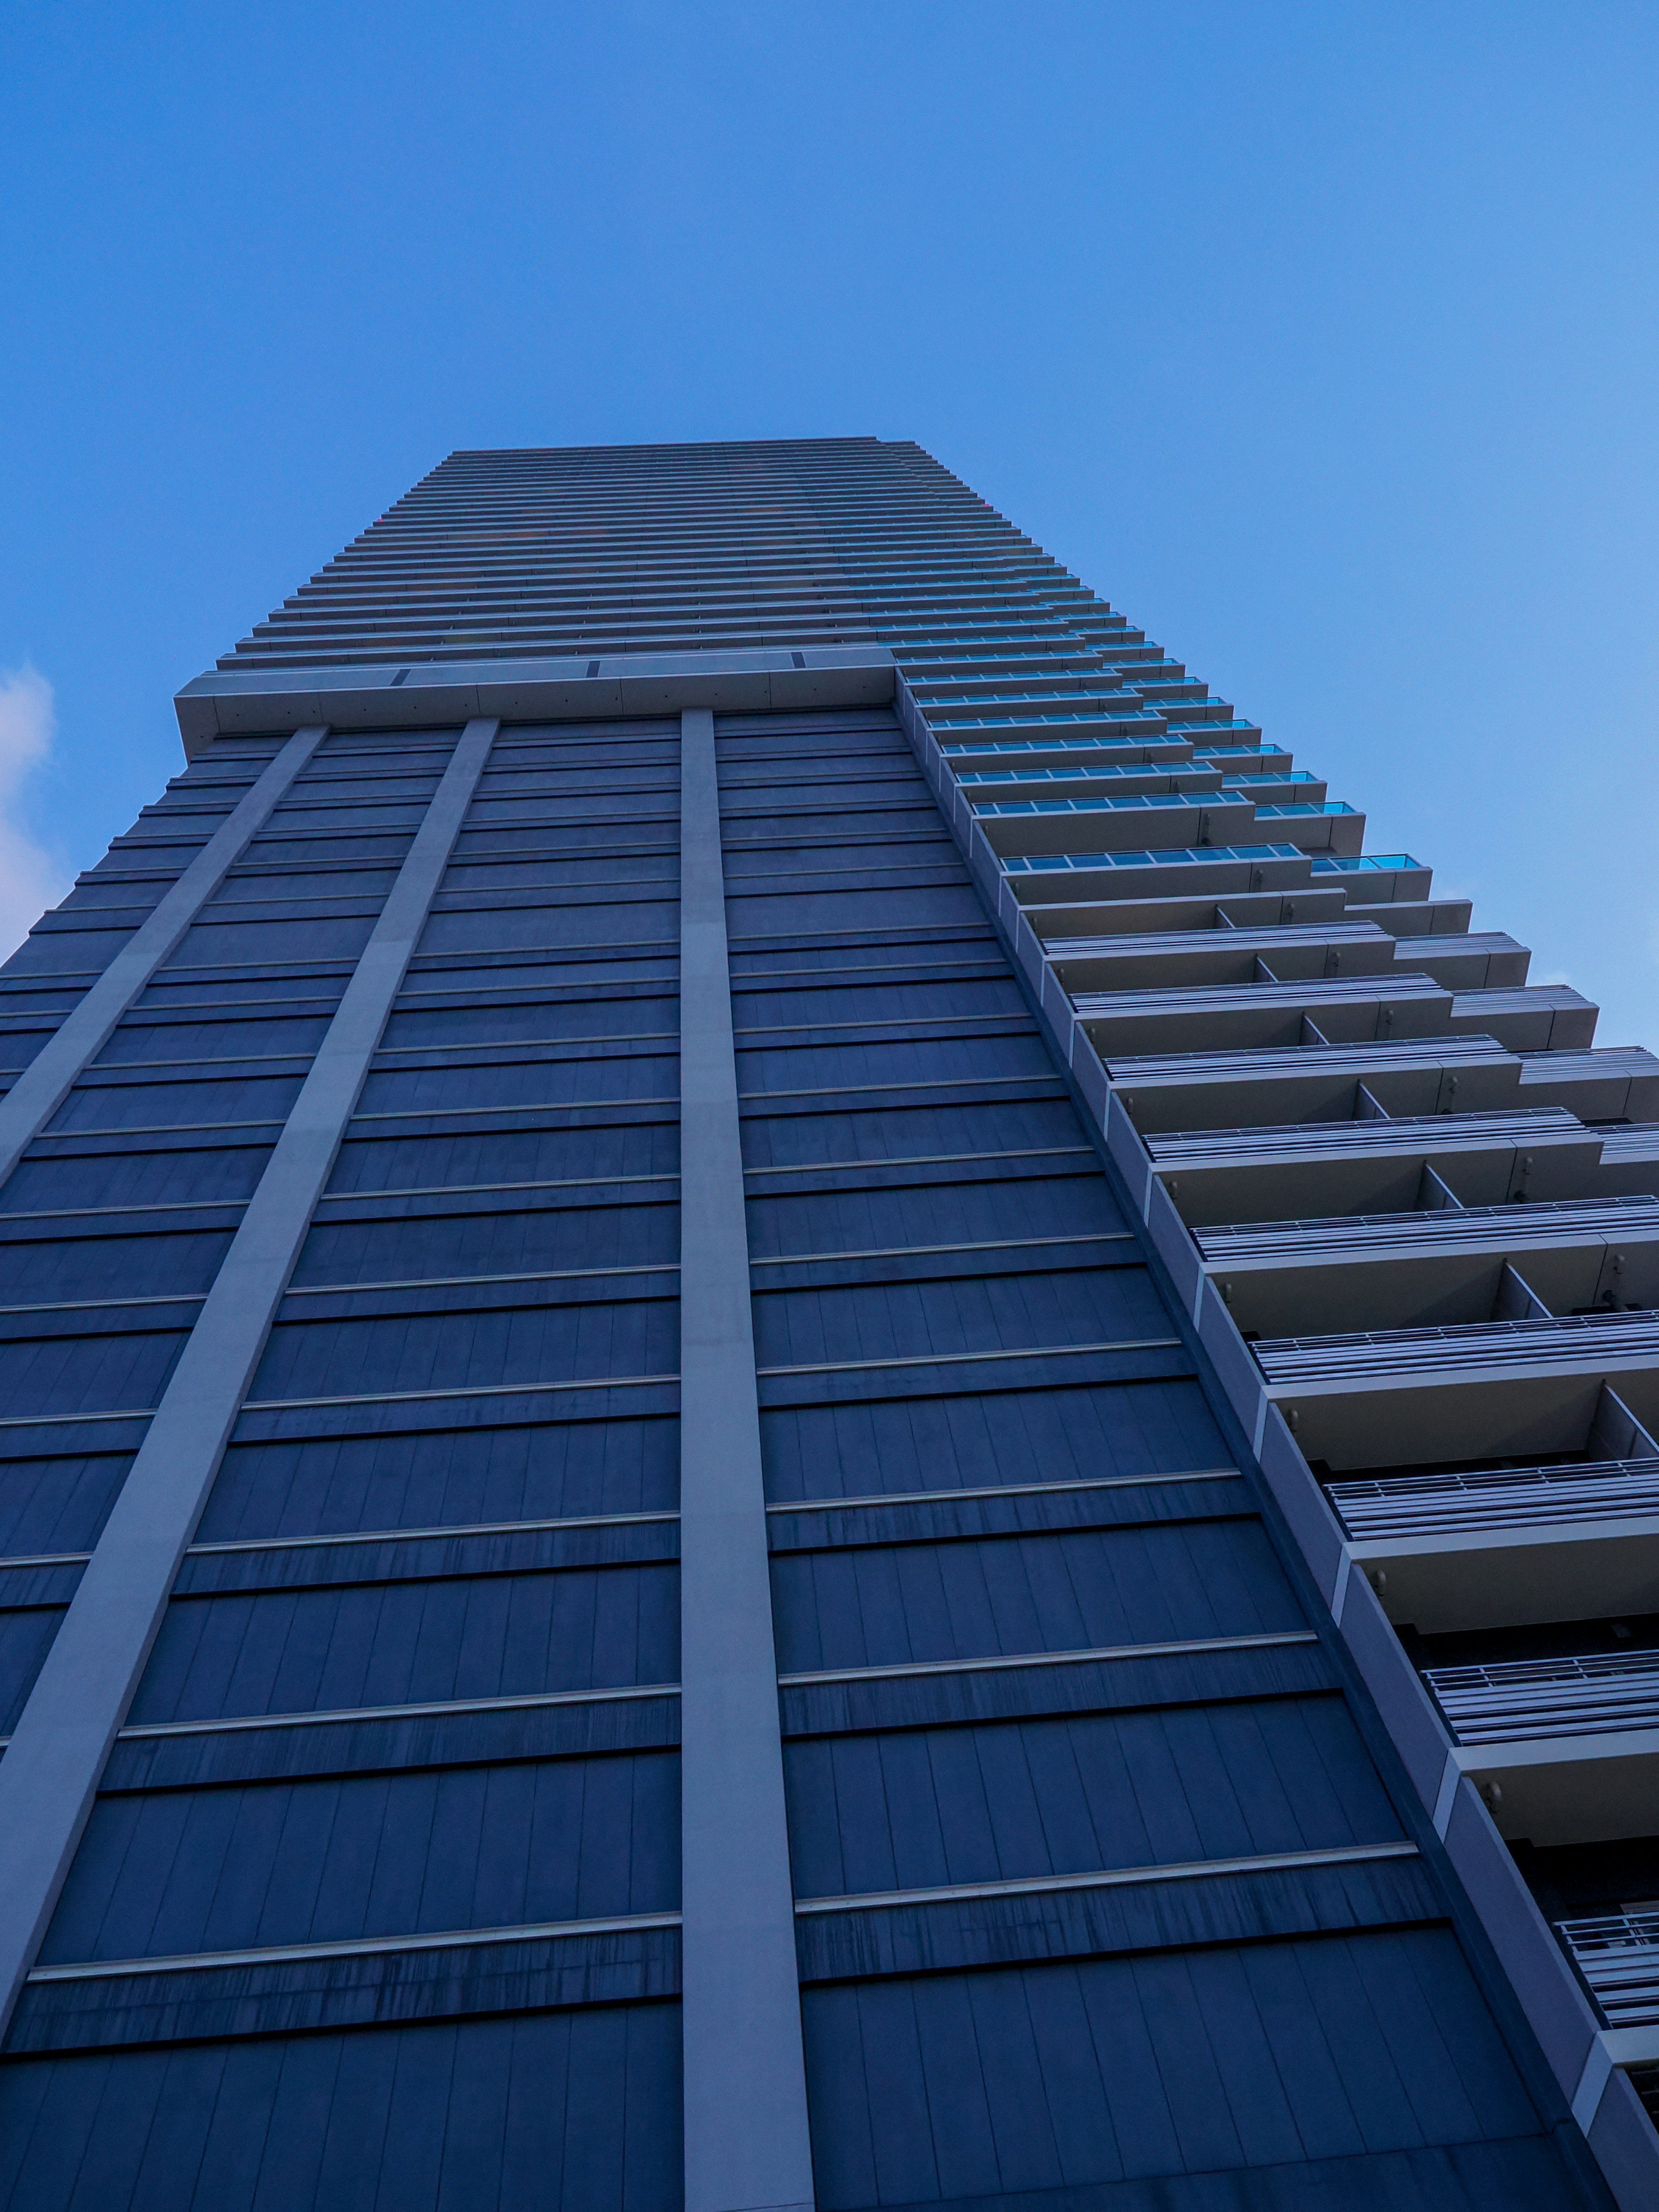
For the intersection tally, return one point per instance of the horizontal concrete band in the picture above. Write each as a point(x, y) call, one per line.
point(224, 702)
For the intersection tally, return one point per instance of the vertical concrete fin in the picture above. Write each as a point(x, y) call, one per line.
point(746, 2141)
point(52, 1764)
point(45, 1084)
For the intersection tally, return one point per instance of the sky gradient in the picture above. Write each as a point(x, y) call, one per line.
point(1320, 340)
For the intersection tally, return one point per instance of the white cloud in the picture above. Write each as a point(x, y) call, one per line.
point(30, 878)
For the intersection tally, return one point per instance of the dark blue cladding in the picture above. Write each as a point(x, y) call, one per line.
point(567, 2111)
point(1359, 2072)
point(461, 1733)
point(416, 1852)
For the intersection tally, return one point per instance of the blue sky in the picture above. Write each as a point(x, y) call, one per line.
point(1320, 339)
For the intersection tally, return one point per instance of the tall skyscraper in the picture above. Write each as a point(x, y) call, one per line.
point(798, 1409)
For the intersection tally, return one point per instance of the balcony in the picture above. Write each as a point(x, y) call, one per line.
point(1483, 960)
point(1066, 748)
point(1618, 1955)
point(1610, 1083)
point(1373, 1166)
point(1274, 786)
point(1528, 1701)
point(1476, 1504)
point(1103, 719)
point(1465, 1391)
point(1168, 958)
point(1439, 1266)
point(1316, 1082)
point(1539, 1017)
point(1119, 779)
point(1388, 876)
point(1431, 1075)
point(1482, 1549)
point(1327, 826)
point(1027, 827)
point(1213, 870)
point(1246, 1016)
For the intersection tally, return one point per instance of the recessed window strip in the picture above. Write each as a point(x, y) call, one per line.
point(365, 901)
point(389, 1049)
point(403, 1536)
point(176, 1010)
point(1197, 1646)
point(1001, 1490)
point(102, 1306)
point(119, 1070)
point(72, 1419)
point(159, 1128)
point(872, 869)
point(98, 1213)
point(919, 1160)
point(964, 1358)
point(412, 1397)
point(925, 1251)
point(990, 962)
point(455, 1113)
point(350, 1947)
point(424, 1709)
point(430, 1283)
point(1108, 1878)
point(451, 1189)
point(523, 955)
point(908, 1024)
point(865, 1090)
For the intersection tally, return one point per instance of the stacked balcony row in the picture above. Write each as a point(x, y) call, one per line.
point(1425, 1207)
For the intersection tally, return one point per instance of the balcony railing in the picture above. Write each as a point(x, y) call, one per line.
point(1175, 856)
point(1321, 1140)
point(1404, 1505)
point(980, 779)
point(1141, 945)
point(1528, 1700)
point(1068, 742)
point(1331, 863)
point(1618, 1954)
point(1391, 1235)
point(1314, 807)
point(1583, 1342)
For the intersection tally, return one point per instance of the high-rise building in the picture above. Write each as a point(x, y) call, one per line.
point(798, 1409)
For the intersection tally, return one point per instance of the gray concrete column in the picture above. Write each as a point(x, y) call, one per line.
point(51, 1766)
point(746, 2141)
point(45, 1084)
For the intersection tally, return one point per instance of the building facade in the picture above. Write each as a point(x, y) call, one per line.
point(798, 1409)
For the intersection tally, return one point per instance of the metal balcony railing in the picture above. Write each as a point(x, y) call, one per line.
point(1306, 806)
point(1324, 1140)
point(1385, 1236)
point(1331, 863)
point(1273, 775)
point(1143, 945)
point(1618, 1955)
point(1367, 1356)
point(1179, 776)
point(1131, 712)
point(1364, 1061)
point(1137, 802)
point(1378, 1510)
point(1067, 741)
point(1017, 864)
point(1527, 1700)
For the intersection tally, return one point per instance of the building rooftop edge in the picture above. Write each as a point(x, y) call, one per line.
point(225, 703)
